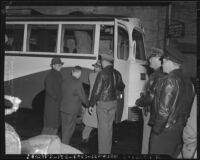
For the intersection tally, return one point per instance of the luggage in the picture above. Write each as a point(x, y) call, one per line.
point(12, 140)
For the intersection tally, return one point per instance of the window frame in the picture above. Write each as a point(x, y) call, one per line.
point(22, 47)
point(142, 35)
point(59, 23)
point(125, 29)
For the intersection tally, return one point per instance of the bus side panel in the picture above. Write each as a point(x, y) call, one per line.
point(136, 84)
point(26, 87)
point(25, 76)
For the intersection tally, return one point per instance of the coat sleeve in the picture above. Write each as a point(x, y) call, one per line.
point(166, 102)
point(97, 89)
point(82, 95)
point(49, 88)
point(120, 83)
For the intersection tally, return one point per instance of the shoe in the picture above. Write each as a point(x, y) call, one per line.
point(83, 143)
point(85, 140)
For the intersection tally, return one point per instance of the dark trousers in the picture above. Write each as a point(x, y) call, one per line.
point(105, 116)
point(168, 141)
point(68, 126)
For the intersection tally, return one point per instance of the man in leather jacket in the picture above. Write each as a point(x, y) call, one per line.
point(146, 98)
point(172, 103)
point(107, 83)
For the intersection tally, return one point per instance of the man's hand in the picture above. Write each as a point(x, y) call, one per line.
point(90, 110)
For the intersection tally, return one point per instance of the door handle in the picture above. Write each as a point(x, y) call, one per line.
point(143, 76)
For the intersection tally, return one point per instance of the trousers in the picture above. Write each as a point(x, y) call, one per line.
point(105, 116)
point(68, 126)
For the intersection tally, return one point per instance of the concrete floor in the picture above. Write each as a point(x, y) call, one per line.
point(29, 123)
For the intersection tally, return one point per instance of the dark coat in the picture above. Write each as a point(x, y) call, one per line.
point(146, 99)
point(53, 96)
point(173, 100)
point(73, 95)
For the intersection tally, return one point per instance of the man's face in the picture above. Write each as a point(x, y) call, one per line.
point(167, 65)
point(57, 67)
point(155, 62)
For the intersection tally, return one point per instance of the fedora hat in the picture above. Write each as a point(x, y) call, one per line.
point(97, 64)
point(174, 55)
point(56, 61)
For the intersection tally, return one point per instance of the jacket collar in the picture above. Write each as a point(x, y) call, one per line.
point(109, 66)
point(176, 72)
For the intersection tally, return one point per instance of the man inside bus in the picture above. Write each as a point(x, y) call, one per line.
point(73, 95)
point(104, 95)
point(53, 82)
point(70, 45)
point(9, 39)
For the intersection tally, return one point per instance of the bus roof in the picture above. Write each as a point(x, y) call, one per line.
point(32, 15)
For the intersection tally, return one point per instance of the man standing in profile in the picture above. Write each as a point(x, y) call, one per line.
point(172, 105)
point(73, 95)
point(53, 82)
point(104, 95)
point(147, 95)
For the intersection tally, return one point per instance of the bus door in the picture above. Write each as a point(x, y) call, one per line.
point(121, 63)
point(129, 58)
point(137, 74)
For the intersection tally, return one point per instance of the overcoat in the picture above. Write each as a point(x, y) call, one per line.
point(73, 95)
point(53, 96)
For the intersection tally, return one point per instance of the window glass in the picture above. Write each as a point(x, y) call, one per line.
point(77, 38)
point(42, 38)
point(106, 39)
point(123, 44)
point(140, 52)
point(14, 37)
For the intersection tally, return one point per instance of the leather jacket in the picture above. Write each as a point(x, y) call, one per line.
point(106, 85)
point(146, 97)
point(172, 100)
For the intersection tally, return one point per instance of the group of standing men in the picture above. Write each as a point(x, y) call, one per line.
point(64, 98)
point(168, 96)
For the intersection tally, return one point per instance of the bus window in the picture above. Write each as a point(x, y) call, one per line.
point(137, 37)
point(14, 35)
point(42, 38)
point(77, 38)
point(123, 44)
point(106, 39)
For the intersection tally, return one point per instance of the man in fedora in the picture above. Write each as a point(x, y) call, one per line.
point(53, 95)
point(172, 103)
point(104, 95)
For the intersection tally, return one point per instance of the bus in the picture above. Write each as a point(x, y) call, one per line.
point(33, 39)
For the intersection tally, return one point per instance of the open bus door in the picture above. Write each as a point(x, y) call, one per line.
point(121, 49)
point(129, 60)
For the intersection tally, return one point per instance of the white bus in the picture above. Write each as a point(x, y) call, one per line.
point(34, 39)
